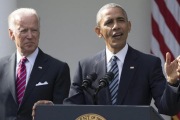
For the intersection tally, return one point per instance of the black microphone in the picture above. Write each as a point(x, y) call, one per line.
point(87, 82)
point(104, 82)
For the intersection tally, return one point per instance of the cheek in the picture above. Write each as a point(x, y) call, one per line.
point(127, 28)
point(36, 36)
point(19, 41)
point(37, 39)
point(107, 33)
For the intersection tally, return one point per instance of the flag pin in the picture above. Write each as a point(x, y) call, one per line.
point(40, 67)
point(132, 67)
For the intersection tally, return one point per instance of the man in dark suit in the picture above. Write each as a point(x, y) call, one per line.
point(140, 76)
point(39, 77)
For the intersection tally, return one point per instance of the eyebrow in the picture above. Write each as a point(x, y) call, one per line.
point(110, 19)
point(107, 20)
point(120, 18)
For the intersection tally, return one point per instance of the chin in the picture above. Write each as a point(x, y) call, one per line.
point(30, 50)
point(118, 46)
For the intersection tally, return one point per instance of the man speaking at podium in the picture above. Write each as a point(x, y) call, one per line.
point(138, 77)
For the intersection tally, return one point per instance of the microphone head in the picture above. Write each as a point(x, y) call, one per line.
point(92, 76)
point(104, 82)
point(109, 76)
point(87, 82)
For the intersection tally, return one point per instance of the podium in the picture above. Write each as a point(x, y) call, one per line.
point(95, 112)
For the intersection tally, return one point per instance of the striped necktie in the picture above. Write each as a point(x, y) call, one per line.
point(21, 79)
point(113, 86)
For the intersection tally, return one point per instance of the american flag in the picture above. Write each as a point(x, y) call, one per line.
point(165, 19)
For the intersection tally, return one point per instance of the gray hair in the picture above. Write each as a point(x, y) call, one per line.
point(28, 11)
point(109, 5)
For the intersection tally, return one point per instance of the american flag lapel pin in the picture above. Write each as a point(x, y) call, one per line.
point(132, 67)
point(40, 67)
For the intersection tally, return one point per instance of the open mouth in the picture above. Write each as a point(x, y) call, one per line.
point(117, 35)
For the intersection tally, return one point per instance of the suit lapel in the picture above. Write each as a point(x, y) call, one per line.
point(129, 68)
point(36, 74)
point(100, 68)
point(10, 71)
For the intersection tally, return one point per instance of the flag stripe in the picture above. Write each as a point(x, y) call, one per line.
point(155, 49)
point(151, 52)
point(174, 8)
point(160, 39)
point(169, 38)
point(170, 21)
point(178, 2)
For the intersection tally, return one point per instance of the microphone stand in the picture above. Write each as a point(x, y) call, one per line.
point(104, 82)
point(95, 96)
point(92, 96)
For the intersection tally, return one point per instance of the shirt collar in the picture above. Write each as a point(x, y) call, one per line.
point(31, 58)
point(121, 54)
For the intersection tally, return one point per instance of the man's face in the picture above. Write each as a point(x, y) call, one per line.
point(26, 34)
point(114, 27)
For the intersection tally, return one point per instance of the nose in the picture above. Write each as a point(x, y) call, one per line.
point(116, 26)
point(29, 35)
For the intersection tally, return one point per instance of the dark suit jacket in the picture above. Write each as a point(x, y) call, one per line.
point(137, 86)
point(55, 72)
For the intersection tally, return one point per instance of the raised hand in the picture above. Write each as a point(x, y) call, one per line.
point(172, 69)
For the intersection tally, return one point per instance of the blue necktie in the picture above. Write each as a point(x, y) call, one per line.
point(113, 87)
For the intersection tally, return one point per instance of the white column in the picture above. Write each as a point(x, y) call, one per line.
point(7, 46)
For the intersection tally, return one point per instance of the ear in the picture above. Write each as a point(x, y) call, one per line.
point(97, 31)
point(11, 35)
point(129, 26)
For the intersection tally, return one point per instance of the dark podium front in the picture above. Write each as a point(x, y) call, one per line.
point(95, 112)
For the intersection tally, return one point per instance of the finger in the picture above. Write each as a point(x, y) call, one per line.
point(168, 58)
point(175, 62)
point(33, 114)
point(34, 106)
point(41, 102)
point(178, 71)
point(37, 103)
point(33, 110)
point(48, 103)
point(178, 59)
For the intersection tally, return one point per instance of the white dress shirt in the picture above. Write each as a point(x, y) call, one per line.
point(120, 61)
point(29, 63)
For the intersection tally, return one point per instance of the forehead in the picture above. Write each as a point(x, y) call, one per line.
point(112, 13)
point(25, 19)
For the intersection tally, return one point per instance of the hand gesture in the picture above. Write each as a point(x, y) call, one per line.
point(172, 69)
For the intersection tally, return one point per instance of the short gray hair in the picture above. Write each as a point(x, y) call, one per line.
point(11, 18)
point(109, 5)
